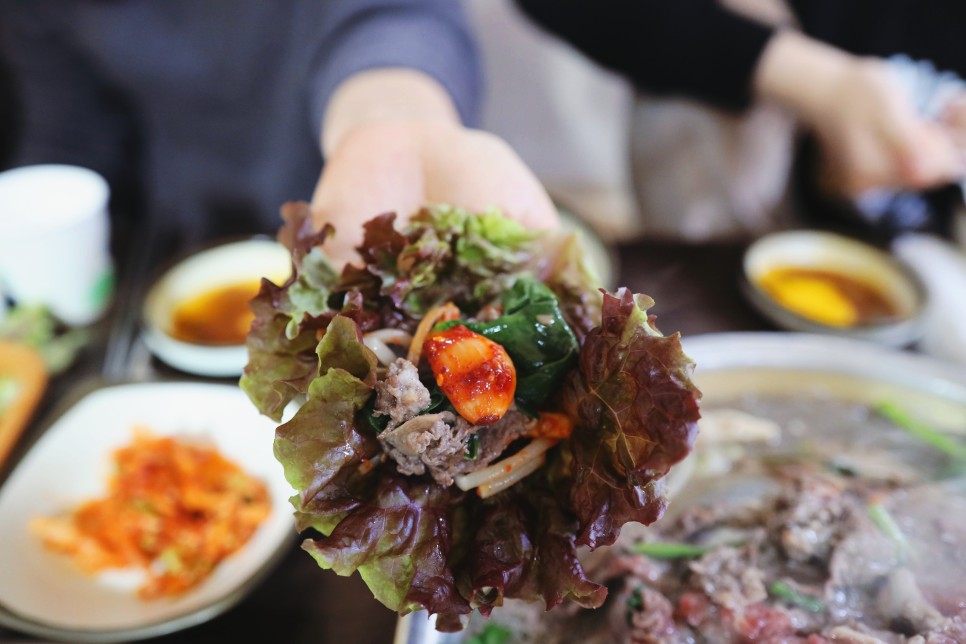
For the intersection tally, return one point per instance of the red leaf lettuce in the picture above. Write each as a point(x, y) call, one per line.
point(418, 544)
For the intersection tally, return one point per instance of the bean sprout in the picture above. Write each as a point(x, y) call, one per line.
point(489, 489)
point(508, 468)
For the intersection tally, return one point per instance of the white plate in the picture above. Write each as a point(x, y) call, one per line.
point(41, 592)
point(211, 268)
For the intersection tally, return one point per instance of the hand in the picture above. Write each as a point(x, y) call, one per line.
point(870, 132)
point(390, 166)
point(872, 136)
point(399, 159)
point(953, 118)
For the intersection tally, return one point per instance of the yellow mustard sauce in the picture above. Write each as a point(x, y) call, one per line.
point(827, 297)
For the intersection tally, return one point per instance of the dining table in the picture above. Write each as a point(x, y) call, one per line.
point(696, 289)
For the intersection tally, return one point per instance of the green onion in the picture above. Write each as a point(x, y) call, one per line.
point(368, 411)
point(472, 447)
point(923, 432)
point(668, 550)
point(786, 593)
point(634, 602)
point(884, 521)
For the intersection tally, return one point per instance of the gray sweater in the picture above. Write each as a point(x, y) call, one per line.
point(212, 108)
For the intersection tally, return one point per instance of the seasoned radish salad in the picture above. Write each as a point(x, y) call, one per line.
point(473, 409)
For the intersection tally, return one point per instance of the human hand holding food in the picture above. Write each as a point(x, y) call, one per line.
point(869, 129)
point(393, 142)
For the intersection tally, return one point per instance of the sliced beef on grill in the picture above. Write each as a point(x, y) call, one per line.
point(812, 515)
point(901, 604)
point(727, 576)
point(651, 617)
point(400, 395)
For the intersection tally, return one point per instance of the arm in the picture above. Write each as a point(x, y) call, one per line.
point(870, 132)
point(68, 115)
point(392, 135)
point(868, 128)
point(692, 47)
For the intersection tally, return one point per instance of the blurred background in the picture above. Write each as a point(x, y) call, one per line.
point(627, 161)
point(633, 162)
point(569, 118)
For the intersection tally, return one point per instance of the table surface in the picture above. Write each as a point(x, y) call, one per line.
point(696, 290)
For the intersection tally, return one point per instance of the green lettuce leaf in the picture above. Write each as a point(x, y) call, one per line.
point(279, 367)
point(447, 254)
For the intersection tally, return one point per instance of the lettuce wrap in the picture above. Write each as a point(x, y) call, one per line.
point(367, 505)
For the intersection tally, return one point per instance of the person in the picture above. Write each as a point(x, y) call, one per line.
point(829, 72)
point(223, 112)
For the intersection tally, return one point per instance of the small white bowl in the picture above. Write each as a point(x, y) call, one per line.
point(836, 253)
point(209, 269)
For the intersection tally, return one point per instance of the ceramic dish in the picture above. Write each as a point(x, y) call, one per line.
point(600, 256)
point(217, 267)
point(44, 594)
point(23, 379)
point(747, 367)
point(892, 283)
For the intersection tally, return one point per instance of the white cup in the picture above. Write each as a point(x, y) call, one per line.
point(54, 240)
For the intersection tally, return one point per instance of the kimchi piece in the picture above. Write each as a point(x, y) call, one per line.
point(174, 509)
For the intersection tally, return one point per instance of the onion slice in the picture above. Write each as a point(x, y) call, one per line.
point(383, 353)
point(500, 484)
point(509, 466)
point(391, 336)
point(446, 311)
point(378, 340)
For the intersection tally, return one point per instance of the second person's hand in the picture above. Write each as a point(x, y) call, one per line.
point(870, 132)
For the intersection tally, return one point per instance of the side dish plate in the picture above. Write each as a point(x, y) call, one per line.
point(44, 594)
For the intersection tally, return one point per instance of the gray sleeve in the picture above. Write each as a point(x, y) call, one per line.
point(431, 36)
point(68, 115)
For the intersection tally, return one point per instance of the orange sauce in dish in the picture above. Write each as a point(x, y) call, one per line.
point(828, 297)
point(219, 316)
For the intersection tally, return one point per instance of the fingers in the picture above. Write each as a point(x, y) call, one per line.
point(953, 118)
point(477, 171)
point(374, 170)
point(928, 158)
point(874, 137)
point(400, 167)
